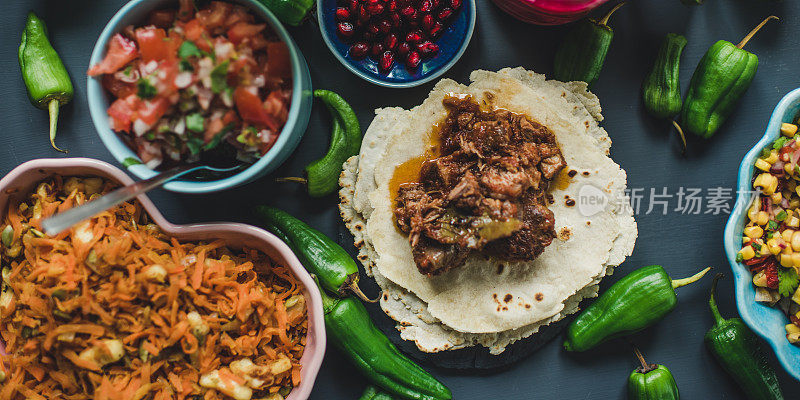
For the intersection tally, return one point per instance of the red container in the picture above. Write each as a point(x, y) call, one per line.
point(548, 12)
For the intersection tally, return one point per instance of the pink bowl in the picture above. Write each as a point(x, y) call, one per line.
point(548, 12)
point(24, 178)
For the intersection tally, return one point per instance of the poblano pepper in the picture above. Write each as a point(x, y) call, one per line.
point(581, 55)
point(719, 81)
point(651, 382)
point(350, 329)
point(661, 90)
point(45, 76)
point(637, 301)
point(738, 351)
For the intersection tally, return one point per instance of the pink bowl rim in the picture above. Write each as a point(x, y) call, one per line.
point(314, 351)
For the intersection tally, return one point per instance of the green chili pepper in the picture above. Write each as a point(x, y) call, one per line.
point(289, 12)
point(661, 90)
point(651, 382)
point(581, 55)
point(322, 176)
point(373, 393)
point(737, 349)
point(318, 253)
point(720, 79)
point(45, 76)
point(349, 327)
point(637, 301)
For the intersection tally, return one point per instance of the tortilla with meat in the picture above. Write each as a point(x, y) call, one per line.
point(486, 302)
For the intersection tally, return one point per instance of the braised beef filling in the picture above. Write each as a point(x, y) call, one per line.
point(485, 192)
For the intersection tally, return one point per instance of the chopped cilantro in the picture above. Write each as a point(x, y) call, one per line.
point(217, 139)
point(787, 281)
point(130, 161)
point(765, 152)
point(780, 142)
point(150, 135)
point(797, 170)
point(188, 49)
point(739, 257)
point(756, 246)
point(186, 66)
point(772, 225)
point(127, 71)
point(781, 216)
point(146, 90)
point(194, 144)
point(770, 235)
point(195, 122)
point(219, 77)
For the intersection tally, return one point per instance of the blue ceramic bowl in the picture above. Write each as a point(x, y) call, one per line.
point(452, 44)
point(768, 322)
point(135, 12)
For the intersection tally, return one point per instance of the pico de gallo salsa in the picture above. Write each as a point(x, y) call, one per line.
point(192, 81)
point(771, 237)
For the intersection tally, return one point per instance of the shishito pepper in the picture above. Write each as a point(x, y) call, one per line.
point(373, 393)
point(737, 350)
point(319, 254)
point(637, 301)
point(350, 329)
point(661, 90)
point(45, 76)
point(651, 382)
point(581, 55)
point(289, 12)
point(719, 81)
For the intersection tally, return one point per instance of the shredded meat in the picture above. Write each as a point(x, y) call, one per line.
point(486, 192)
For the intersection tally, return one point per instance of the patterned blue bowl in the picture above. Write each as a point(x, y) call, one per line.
point(135, 12)
point(768, 322)
point(452, 44)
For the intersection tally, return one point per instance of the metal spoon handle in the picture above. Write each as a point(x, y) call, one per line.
point(64, 220)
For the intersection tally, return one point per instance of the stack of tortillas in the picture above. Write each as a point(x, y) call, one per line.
point(486, 301)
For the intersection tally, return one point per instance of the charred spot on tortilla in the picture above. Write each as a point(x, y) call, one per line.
point(500, 268)
point(572, 173)
point(564, 234)
point(508, 297)
point(585, 173)
point(539, 296)
point(570, 203)
point(481, 189)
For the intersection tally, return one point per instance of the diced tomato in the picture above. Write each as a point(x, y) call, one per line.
point(278, 61)
point(771, 270)
point(242, 65)
point(166, 73)
point(117, 87)
point(154, 45)
point(230, 117)
point(122, 112)
point(162, 18)
point(150, 111)
point(193, 30)
point(251, 109)
point(276, 106)
point(121, 51)
point(258, 43)
point(238, 14)
point(213, 127)
point(215, 14)
point(186, 10)
point(243, 30)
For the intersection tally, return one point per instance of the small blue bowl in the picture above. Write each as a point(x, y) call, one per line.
point(135, 12)
point(768, 322)
point(452, 44)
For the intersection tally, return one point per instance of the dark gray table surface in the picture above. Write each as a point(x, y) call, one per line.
point(646, 149)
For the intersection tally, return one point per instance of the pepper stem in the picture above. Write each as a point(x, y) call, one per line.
point(604, 21)
point(712, 301)
point(353, 286)
point(292, 179)
point(645, 366)
point(53, 106)
point(755, 30)
point(676, 283)
point(680, 133)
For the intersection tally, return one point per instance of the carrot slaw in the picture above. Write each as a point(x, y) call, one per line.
point(116, 309)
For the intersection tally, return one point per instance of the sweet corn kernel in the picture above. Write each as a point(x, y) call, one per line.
point(762, 164)
point(796, 241)
point(746, 240)
point(792, 328)
point(747, 252)
point(754, 231)
point(776, 197)
point(788, 168)
point(786, 260)
point(788, 129)
point(774, 246)
point(787, 249)
point(787, 234)
point(760, 279)
point(767, 182)
point(793, 222)
point(796, 296)
point(762, 218)
point(772, 157)
point(795, 259)
point(794, 202)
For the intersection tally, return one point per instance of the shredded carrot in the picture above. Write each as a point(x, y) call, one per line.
point(118, 282)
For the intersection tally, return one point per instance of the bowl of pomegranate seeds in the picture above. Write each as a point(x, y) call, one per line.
point(397, 43)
